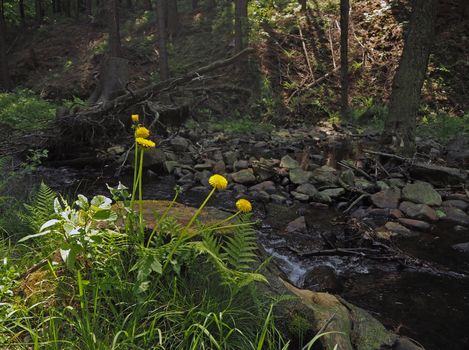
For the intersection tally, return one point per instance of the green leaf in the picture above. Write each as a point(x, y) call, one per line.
point(101, 202)
point(82, 202)
point(105, 215)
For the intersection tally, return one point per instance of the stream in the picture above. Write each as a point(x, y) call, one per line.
point(432, 309)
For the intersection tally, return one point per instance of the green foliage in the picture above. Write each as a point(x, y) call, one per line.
point(23, 110)
point(40, 208)
point(443, 126)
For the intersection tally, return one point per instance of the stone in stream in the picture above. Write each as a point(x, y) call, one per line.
point(321, 198)
point(418, 211)
point(333, 192)
point(461, 247)
point(365, 185)
point(415, 224)
point(241, 164)
point(180, 144)
point(300, 196)
point(422, 193)
point(170, 165)
point(456, 203)
point(268, 186)
point(307, 189)
point(324, 175)
point(348, 177)
point(455, 215)
point(396, 182)
point(245, 176)
point(323, 279)
point(231, 157)
point(289, 163)
point(387, 199)
point(278, 198)
point(219, 167)
point(299, 176)
point(398, 230)
point(297, 225)
point(264, 168)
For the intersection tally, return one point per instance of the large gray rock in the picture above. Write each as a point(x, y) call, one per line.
point(456, 203)
point(415, 224)
point(333, 192)
point(299, 176)
point(398, 230)
point(289, 163)
point(245, 176)
point(418, 211)
point(180, 144)
point(300, 196)
point(461, 247)
point(421, 192)
point(268, 186)
point(456, 216)
point(297, 225)
point(388, 199)
point(324, 175)
point(307, 189)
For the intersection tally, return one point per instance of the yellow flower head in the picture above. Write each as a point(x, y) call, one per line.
point(145, 143)
point(218, 182)
point(135, 117)
point(244, 205)
point(142, 132)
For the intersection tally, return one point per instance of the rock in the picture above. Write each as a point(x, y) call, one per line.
point(245, 176)
point(307, 189)
point(395, 213)
point(418, 211)
point(116, 150)
point(297, 225)
point(324, 175)
point(458, 151)
point(404, 343)
point(231, 157)
point(219, 167)
point(415, 224)
point(387, 199)
point(398, 230)
point(261, 144)
point(456, 203)
point(321, 198)
point(438, 175)
point(153, 158)
point(203, 177)
point(348, 177)
point(262, 196)
point(179, 144)
point(264, 168)
point(240, 164)
point(204, 166)
point(382, 185)
point(333, 192)
point(396, 182)
point(300, 196)
point(323, 279)
point(170, 165)
point(289, 163)
point(456, 216)
point(461, 247)
point(238, 188)
point(365, 185)
point(278, 198)
point(268, 186)
point(421, 192)
point(299, 176)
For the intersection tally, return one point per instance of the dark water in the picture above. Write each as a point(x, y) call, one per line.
point(432, 309)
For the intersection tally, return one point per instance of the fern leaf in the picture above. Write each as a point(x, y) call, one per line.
point(40, 209)
point(240, 249)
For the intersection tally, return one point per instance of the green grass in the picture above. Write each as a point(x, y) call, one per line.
point(443, 126)
point(240, 126)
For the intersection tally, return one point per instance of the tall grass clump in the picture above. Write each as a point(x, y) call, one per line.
point(99, 274)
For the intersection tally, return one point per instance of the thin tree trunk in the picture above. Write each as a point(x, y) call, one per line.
point(22, 15)
point(129, 4)
point(38, 9)
point(114, 32)
point(173, 18)
point(408, 81)
point(163, 52)
point(5, 83)
point(89, 8)
point(195, 4)
point(148, 5)
point(344, 78)
point(241, 15)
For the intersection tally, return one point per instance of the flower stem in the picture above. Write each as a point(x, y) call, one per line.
point(162, 218)
point(134, 187)
point(200, 208)
point(215, 225)
point(140, 171)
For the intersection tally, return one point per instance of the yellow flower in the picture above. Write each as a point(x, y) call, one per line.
point(135, 117)
point(218, 181)
point(142, 132)
point(145, 143)
point(244, 205)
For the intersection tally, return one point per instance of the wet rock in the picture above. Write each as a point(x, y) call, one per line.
point(297, 225)
point(421, 192)
point(289, 163)
point(299, 176)
point(170, 165)
point(264, 168)
point(438, 175)
point(456, 203)
point(278, 198)
point(238, 188)
point(240, 164)
point(245, 176)
point(365, 185)
point(300, 196)
point(204, 166)
point(180, 144)
point(348, 177)
point(418, 211)
point(396, 182)
point(152, 158)
point(333, 192)
point(219, 167)
point(404, 343)
point(398, 230)
point(324, 175)
point(415, 224)
point(456, 216)
point(261, 144)
point(461, 247)
point(321, 198)
point(307, 189)
point(387, 199)
point(268, 186)
point(231, 157)
point(323, 279)
point(203, 177)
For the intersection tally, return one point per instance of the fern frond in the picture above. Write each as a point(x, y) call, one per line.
point(240, 249)
point(40, 209)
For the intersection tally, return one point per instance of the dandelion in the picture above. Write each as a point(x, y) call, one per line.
point(244, 206)
point(144, 143)
point(135, 118)
point(142, 132)
point(217, 181)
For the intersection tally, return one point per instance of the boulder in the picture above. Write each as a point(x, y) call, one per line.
point(289, 163)
point(299, 176)
point(268, 186)
point(324, 175)
point(456, 203)
point(300, 196)
point(245, 176)
point(461, 247)
point(323, 279)
point(180, 144)
point(455, 215)
point(297, 225)
point(307, 189)
point(398, 230)
point(415, 224)
point(333, 192)
point(387, 198)
point(422, 193)
point(418, 211)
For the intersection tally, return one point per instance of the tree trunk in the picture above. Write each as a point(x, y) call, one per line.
point(195, 4)
point(409, 78)
point(163, 52)
point(22, 15)
point(464, 8)
point(173, 18)
point(129, 4)
point(210, 4)
point(344, 78)
point(5, 83)
point(89, 8)
point(113, 27)
point(68, 8)
point(241, 17)
point(38, 9)
point(148, 5)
